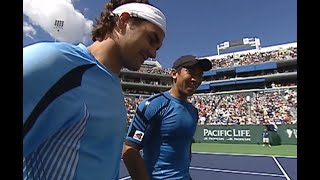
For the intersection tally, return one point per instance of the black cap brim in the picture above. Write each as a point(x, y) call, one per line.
point(205, 64)
point(189, 60)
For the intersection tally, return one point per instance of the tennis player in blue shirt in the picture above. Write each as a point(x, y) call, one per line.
point(266, 138)
point(73, 107)
point(164, 125)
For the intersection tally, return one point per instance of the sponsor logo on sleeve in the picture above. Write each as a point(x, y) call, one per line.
point(138, 135)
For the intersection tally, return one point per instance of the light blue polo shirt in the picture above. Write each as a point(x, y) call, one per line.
point(73, 114)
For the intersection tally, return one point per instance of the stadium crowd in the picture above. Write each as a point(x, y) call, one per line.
point(278, 105)
point(253, 58)
point(238, 60)
point(273, 105)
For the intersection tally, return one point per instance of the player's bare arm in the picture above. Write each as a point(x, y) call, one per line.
point(134, 162)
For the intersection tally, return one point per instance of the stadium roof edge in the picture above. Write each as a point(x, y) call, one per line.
point(262, 49)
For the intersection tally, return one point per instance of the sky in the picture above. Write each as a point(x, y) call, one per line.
point(193, 27)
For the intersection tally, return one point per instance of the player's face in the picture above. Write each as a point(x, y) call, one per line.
point(140, 42)
point(188, 80)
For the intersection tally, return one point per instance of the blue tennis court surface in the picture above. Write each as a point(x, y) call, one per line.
point(206, 166)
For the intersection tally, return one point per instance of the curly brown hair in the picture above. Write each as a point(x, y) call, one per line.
point(105, 22)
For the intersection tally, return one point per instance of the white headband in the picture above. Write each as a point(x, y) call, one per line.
point(143, 11)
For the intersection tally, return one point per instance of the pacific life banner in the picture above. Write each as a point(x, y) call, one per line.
point(246, 134)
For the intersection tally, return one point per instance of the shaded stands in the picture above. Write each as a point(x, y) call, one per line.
point(261, 75)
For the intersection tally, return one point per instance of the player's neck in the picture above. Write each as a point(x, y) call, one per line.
point(107, 54)
point(176, 94)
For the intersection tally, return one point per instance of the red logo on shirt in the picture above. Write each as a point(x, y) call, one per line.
point(138, 135)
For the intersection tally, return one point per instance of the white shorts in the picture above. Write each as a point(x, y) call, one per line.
point(265, 140)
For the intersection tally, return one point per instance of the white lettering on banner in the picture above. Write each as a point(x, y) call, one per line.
point(241, 133)
point(242, 139)
point(216, 139)
point(292, 131)
point(295, 132)
point(229, 134)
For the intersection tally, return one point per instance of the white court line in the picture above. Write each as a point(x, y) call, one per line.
point(237, 172)
point(231, 171)
point(124, 178)
point(235, 154)
point(280, 167)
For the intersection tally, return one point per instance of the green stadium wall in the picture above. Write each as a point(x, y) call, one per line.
point(246, 134)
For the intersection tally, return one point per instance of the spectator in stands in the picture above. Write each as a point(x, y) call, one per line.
point(164, 125)
point(266, 138)
point(72, 94)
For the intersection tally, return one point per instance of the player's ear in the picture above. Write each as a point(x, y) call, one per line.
point(174, 74)
point(123, 21)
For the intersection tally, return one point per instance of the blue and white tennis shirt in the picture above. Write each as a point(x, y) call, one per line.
point(73, 114)
point(163, 127)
